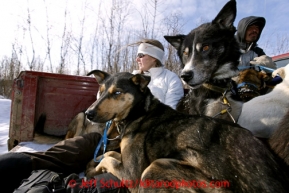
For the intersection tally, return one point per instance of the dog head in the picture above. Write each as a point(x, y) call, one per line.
point(119, 95)
point(250, 83)
point(209, 52)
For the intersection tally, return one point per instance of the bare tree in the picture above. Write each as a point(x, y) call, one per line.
point(17, 54)
point(30, 62)
point(10, 69)
point(114, 34)
point(77, 47)
point(275, 44)
point(173, 25)
point(154, 15)
point(94, 43)
point(109, 33)
point(65, 44)
point(149, 14)
point(282, 44)
point(48, 46)
point(144, 20)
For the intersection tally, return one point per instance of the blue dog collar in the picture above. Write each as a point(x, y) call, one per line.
point(103, 141)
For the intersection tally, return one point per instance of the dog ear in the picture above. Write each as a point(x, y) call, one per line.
point(141, 80)
point(175, 41)
point(100, 76)
point(227, 15)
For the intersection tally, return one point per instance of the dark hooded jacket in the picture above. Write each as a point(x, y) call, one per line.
point(249, 51)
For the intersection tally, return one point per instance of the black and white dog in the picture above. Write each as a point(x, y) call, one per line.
point(210, 55)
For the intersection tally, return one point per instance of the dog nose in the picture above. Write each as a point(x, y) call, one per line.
point(89, 114)
point(187, 75)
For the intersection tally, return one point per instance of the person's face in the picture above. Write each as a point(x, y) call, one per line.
point(252, 33)
point(145, 62)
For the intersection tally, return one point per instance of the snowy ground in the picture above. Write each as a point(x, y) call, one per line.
point(5, 105)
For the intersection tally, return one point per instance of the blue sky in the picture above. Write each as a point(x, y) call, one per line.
point(14, 13)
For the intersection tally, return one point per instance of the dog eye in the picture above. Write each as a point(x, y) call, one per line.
point(206, 48)
point(186, 51)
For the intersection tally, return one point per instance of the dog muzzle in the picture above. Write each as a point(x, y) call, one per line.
point(247, 91)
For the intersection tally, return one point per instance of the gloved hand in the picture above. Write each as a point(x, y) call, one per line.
point(264, 61)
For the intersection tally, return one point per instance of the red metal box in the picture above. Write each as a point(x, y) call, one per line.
point(60, 97)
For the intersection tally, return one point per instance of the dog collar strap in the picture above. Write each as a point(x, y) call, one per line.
point(224, 101)
point(215, 88)
point(103, 141)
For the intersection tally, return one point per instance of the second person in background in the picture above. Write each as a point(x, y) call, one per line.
point(248, 33)
point(165, 84)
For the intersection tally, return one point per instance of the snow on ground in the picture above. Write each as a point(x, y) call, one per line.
point(5, 105)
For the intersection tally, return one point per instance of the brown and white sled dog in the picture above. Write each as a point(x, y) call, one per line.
point(210, 55)
point(163, 150)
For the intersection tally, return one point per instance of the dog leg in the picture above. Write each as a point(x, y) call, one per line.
point(113, 154)
point(69, 134)
point(75, 127)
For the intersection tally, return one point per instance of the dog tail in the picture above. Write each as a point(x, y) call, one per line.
point(39, 127)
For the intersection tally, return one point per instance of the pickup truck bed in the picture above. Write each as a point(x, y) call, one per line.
point(57, 96)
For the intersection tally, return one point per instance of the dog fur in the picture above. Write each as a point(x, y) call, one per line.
point(279, 141)
point(160, 144)
point(262, 114)
point(210, 55)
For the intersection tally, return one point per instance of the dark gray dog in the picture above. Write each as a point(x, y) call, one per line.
point(210, 55)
